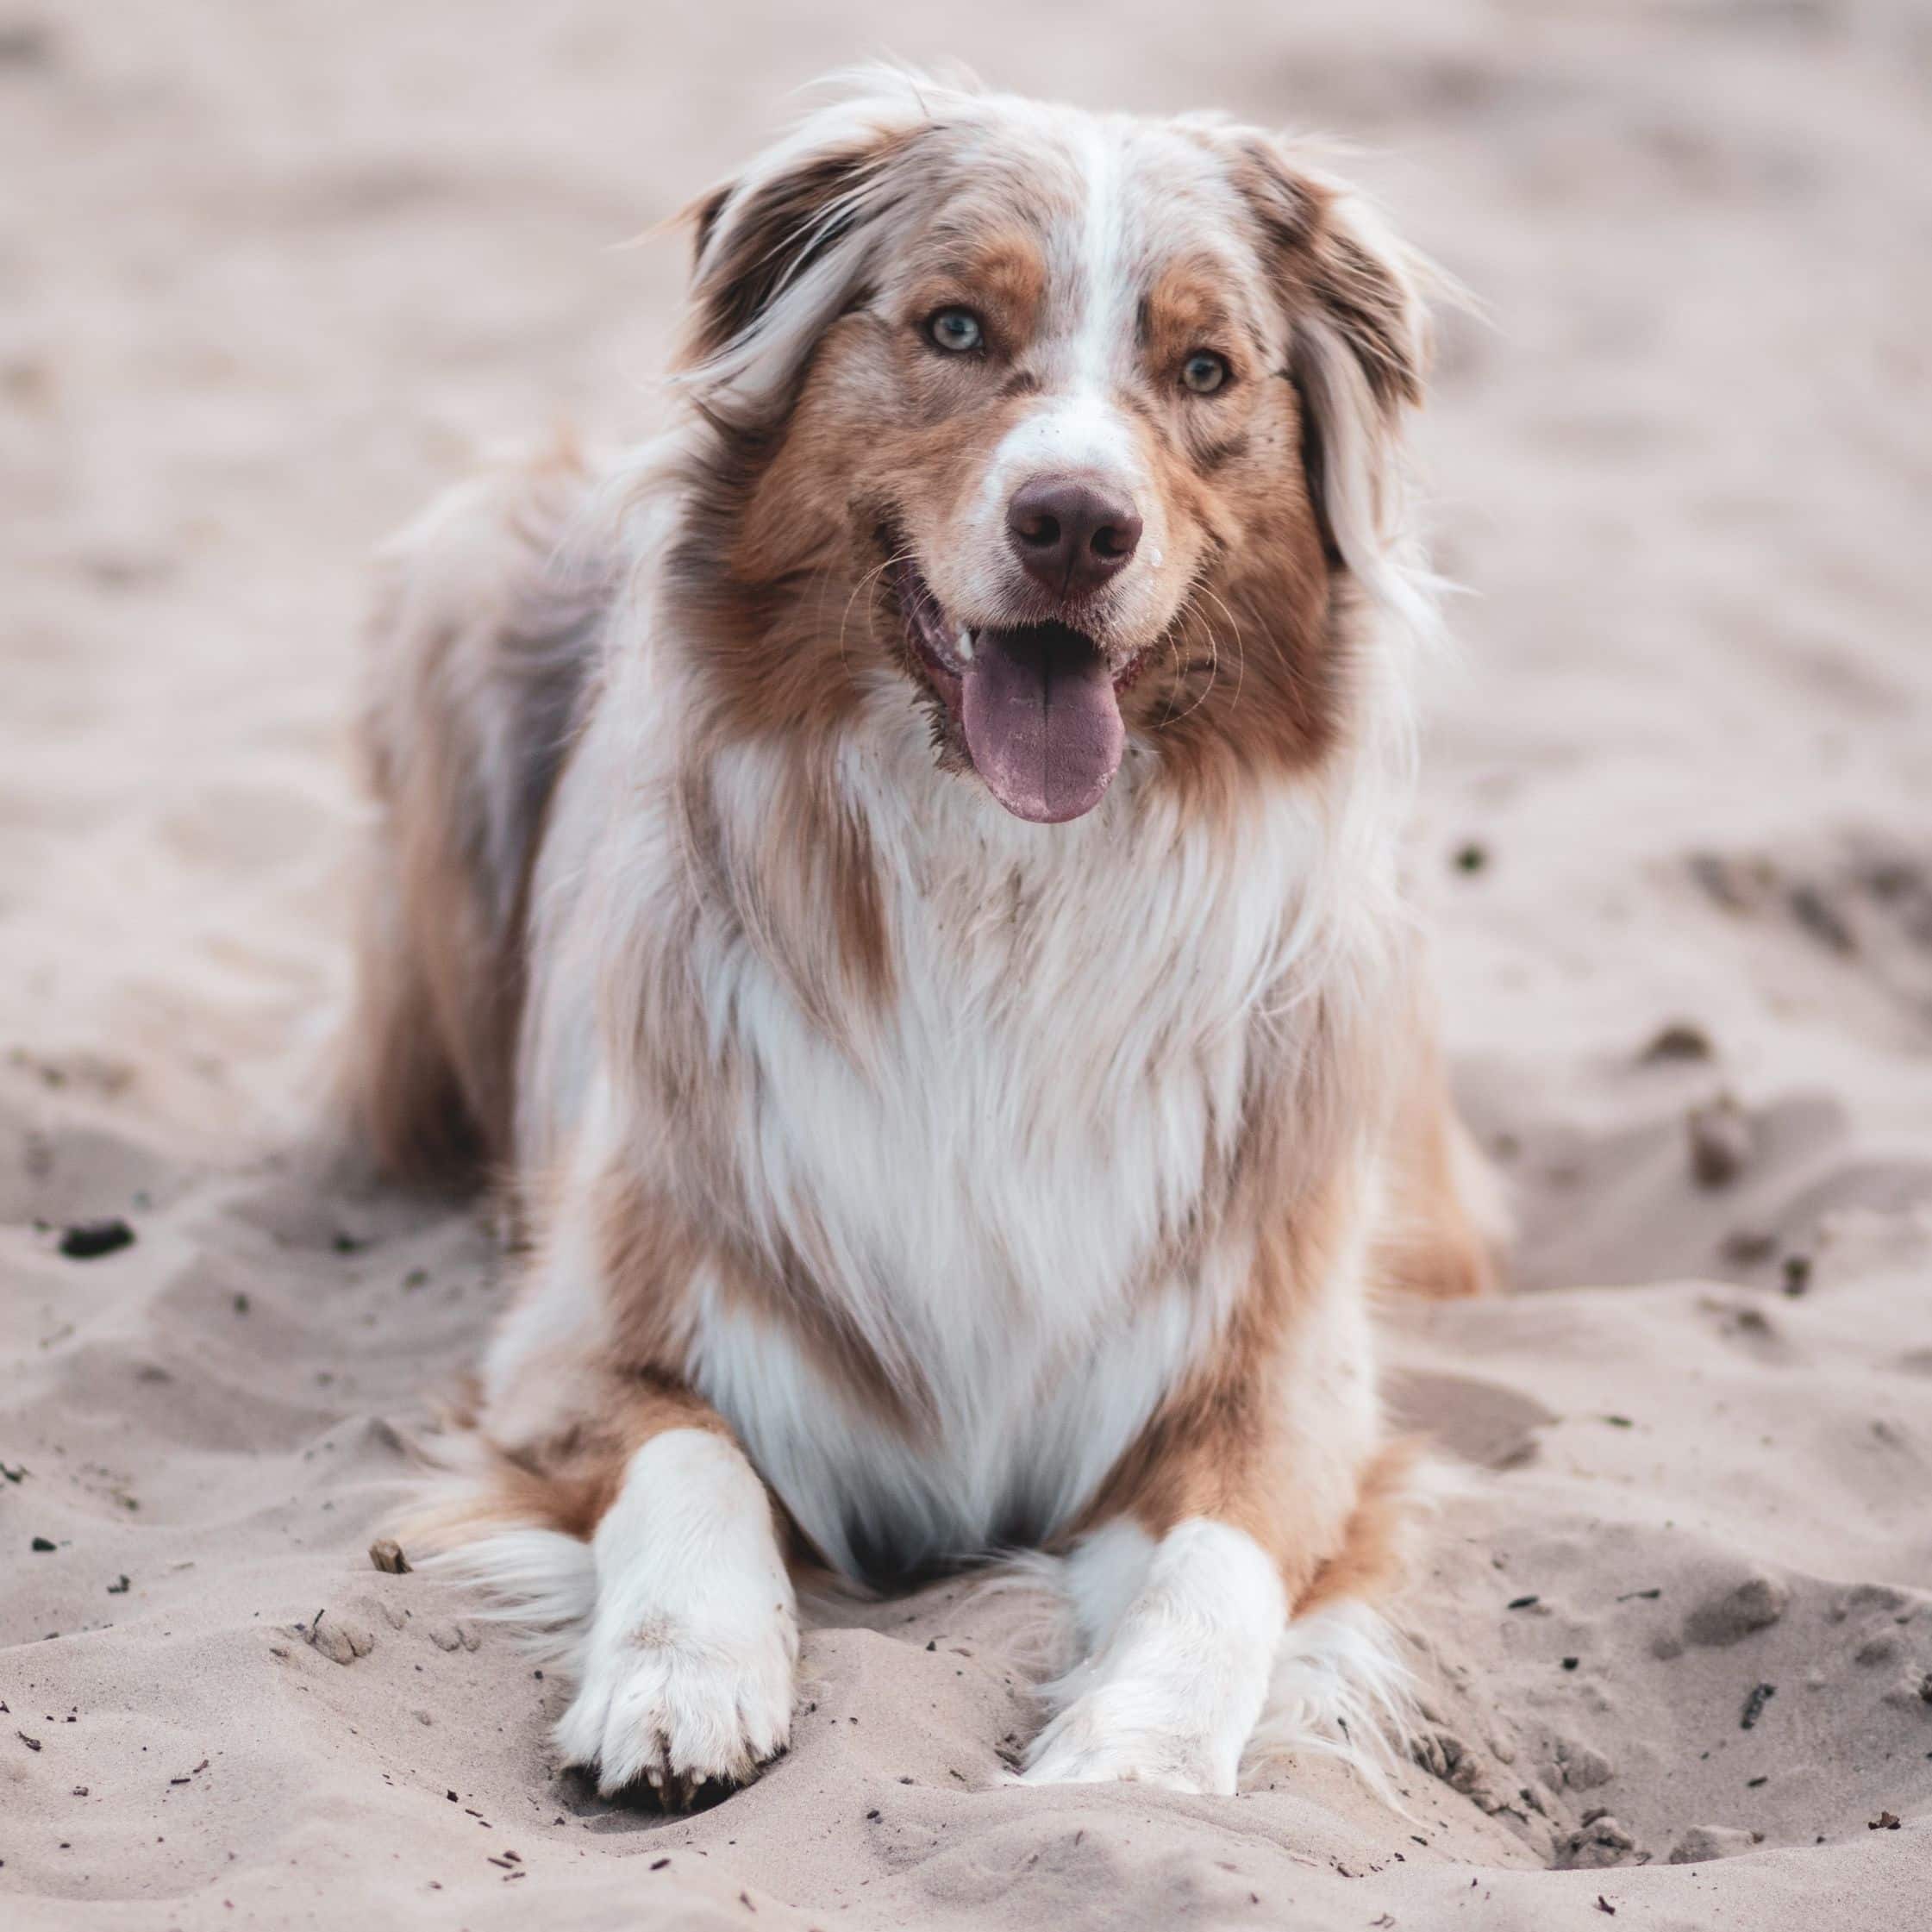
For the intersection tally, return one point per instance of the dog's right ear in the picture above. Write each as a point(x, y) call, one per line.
point(782, 250)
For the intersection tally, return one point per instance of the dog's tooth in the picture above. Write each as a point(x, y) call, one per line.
point(965, 644)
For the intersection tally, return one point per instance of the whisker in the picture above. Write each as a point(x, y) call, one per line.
point(1213, 677)
point(1241, 643)
point(864, 583)
point(1214, 666)
point(1180, 663)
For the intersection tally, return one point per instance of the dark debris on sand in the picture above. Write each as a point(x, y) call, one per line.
point(87, 1240)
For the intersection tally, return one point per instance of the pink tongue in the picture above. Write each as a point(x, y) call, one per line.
point(1041, 720)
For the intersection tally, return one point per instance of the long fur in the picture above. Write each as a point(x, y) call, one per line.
point(974, 1181)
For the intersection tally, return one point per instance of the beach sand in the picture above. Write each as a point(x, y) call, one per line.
point(272, 275)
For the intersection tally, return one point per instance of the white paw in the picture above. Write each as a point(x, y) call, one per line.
point(681, 1708)
point(1116, 1734)
point(685, 1676)
point(1176, 1685)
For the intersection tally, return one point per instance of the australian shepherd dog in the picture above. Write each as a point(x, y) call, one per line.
point(897, 880)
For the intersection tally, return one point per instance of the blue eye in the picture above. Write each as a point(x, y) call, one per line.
point(1204, 371)
point(956, 329)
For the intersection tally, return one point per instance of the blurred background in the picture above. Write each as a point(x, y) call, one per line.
point(271, 274)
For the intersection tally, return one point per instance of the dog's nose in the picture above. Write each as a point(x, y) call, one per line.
point(1072, 534)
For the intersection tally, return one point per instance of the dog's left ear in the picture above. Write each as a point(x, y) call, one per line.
point(1358, 342)
point(783, 249)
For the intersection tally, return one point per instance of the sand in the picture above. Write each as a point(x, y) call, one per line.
point(274, 274)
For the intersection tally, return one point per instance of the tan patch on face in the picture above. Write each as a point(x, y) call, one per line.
point(997, 272)
point(1189, 308)
point(889, 439)
point(1250, 683)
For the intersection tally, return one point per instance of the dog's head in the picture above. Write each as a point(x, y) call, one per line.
point(1084, 424)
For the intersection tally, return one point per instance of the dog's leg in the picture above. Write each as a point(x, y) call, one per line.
point(1176, 1685)
point(1189, 1637)
point(1244, 1496)
point(683, 1637)
point(685, 1673)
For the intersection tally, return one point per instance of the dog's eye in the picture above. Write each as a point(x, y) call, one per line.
point(1204, 371)
point(957, 329)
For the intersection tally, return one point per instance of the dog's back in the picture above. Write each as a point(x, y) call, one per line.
point(482, 651)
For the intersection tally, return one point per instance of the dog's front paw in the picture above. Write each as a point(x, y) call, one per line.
point(681, 1708)
point(1116, 1734)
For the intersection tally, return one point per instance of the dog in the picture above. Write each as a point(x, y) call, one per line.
point(898, 879)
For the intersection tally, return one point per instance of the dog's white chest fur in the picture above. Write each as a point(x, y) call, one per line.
point(989, 1173)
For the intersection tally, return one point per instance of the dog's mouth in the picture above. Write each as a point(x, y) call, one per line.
point(1038, 704)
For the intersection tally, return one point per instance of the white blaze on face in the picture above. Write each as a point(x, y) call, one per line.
point(1076, 425)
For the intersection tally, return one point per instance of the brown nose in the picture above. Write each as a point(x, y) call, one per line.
point(1071, 534)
